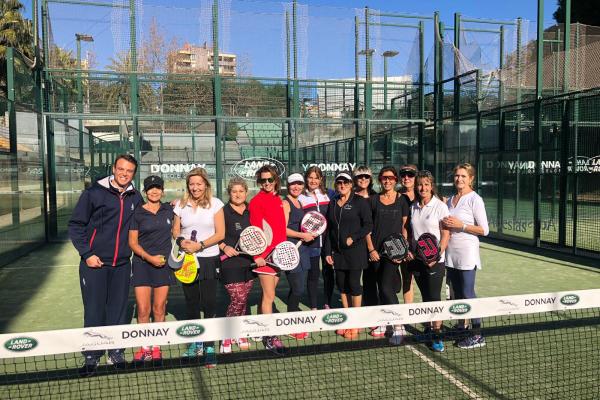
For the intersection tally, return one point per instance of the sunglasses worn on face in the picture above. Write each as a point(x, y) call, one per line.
point(408, 173)
point(265, 180)
point(343, 182)
point(363, 176)
point(388, 178)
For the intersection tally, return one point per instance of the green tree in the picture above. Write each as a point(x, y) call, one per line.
point(585, 12)
point(16, 32)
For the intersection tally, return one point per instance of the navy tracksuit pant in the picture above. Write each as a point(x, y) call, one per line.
point(105, 293)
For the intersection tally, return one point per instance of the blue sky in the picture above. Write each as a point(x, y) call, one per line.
point(255, 31)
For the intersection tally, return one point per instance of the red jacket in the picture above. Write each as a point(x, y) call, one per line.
point(268, 207)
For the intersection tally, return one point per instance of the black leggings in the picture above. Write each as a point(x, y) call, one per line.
point(348, 281)
point(371, 295)
point(296, 283)
point(429, 281)
point(389, 281)
point(312, 284)
point(328, 280)
point(382, 282)
point(407, 270)
point(201, 296)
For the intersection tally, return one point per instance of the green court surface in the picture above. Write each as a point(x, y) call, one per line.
point(41, 290)
point(534, 356)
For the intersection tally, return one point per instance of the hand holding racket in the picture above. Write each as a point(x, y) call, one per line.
point(187, 262)
point(284, 256)
point(314, 223)
point(428, 248)
point(394, 248)
point(252, 241)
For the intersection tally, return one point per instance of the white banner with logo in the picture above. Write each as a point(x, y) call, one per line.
point(169, 333)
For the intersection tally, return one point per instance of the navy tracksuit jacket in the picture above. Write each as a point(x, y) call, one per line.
point(100, 226)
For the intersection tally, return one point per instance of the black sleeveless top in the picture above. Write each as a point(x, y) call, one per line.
point(295, 218)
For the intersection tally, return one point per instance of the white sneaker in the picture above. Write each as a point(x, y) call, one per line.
point(398, 336)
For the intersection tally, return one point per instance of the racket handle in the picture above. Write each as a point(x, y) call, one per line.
point(224, 257)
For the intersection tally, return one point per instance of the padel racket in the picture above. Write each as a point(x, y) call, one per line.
point(268, 232)
point(189, 267)
point(428, 248)
point(284, 256)
point(252, 241)
point(177, 255)
point(314, 223)
point(394, 248)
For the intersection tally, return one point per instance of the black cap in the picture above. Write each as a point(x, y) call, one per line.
point(153, 181)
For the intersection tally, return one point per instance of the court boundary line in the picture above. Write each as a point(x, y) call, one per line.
point(464, 388)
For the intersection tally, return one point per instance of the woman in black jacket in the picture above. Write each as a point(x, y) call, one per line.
point(349, 222)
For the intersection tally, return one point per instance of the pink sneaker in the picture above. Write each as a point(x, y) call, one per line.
point(277, 343)
point(225, 346)
point(143, 354)
point(299, 336)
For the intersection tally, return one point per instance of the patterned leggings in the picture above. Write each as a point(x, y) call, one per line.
point(238, 293)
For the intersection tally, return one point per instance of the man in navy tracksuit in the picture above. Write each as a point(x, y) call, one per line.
point(99, 229)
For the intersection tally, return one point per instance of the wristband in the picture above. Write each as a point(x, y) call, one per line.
point(202, 246)
point(464, 228)
point(371, 251)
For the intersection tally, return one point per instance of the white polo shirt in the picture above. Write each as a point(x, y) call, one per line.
point(427, 219)
point(463, 248)
point(201, 220)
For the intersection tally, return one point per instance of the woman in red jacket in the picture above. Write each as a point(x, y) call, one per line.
point(266, 212)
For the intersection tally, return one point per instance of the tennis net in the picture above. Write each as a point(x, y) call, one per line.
point(543, 346)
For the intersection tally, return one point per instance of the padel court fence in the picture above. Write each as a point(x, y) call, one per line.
point(419, 92)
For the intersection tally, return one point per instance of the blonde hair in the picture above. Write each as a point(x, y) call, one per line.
point(204, 200)
point(422, 175)
point(363, 169)
point(470, 171)
point(236, 181)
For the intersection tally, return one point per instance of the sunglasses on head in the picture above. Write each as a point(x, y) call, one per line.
point(363, 176)
point(265, 180)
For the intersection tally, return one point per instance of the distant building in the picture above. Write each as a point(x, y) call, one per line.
point(192, 58)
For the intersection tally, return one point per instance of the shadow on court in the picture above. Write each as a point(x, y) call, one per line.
point(23, 284)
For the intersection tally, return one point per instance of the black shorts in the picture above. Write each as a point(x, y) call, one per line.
point(144, 274)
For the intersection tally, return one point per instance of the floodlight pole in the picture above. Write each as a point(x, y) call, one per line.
point(79, 37)
point(456, 101)
point(356, 91)
point(386, 54)
point(217, 105)
point(134, 95)
point(368, 90)
point(565, 134)
point(537, 123)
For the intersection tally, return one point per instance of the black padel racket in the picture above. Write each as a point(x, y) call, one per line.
point(428, 248)
point(394, 248)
